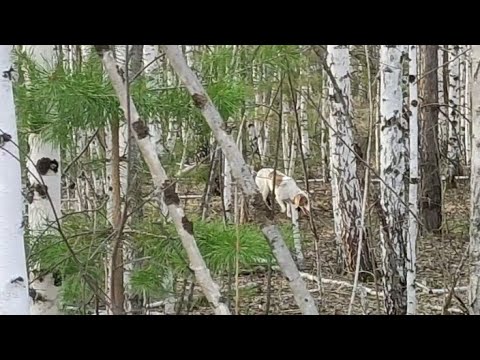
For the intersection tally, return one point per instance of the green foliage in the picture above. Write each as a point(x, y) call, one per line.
point(54, 254)
point(159, 249)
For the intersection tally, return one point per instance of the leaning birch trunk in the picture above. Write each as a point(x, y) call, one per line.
point(243, 176)
point(413, 186)
point(345, 181)
point(44, 167)
point(474, 293)
point(14, 298)
point(393, 171)
point(183, 226)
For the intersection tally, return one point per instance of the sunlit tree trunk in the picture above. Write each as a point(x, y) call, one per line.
point(393, 162)
point(44, 178)
point(474, 291)
point(14, 292)
point(414, 179)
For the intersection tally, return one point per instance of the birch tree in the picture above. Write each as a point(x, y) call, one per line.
point(431, 204)
point(45, 184)
point(14, 298)
point(346, 189)
point(413, 186)
point(454, 143)
point(162, 184)
point(474, 292)
point(244, 178)
point(393, 139)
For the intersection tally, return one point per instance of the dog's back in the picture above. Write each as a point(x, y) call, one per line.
point(265, 175)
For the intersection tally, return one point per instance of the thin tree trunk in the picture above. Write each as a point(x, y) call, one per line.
point(431, 204)
point(413, 187)
point(183, 226)
point(243, 176)
point(474, 293)
point(14, 298)
point(454, 143)
point(393, 171)
point(115, 285)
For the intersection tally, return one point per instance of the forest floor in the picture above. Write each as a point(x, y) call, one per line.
point(441, 265)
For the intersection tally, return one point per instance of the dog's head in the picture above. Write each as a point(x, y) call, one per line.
point(302, 203)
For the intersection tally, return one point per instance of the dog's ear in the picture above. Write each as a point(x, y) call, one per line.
point(303, 200)
point(296, 200)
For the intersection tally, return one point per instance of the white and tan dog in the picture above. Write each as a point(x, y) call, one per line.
point(286, 191)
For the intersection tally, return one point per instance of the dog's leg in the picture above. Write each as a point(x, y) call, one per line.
point(265, 191)
point(282, 205)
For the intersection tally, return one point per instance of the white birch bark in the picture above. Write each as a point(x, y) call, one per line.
point(454, 143)
point(259, 109)
point(393, 172)
point(183, 226)
point(413, 187)
point(285, 135)
point(305, 141)
point(267, 124)
point(14, 299)
point(151, 66)
point(474, 292)
point(468, 105)
point(348, 196)
point(44, 171)
point(324, 138)
point(462, 99)
point(444, 109)
point(243, 176)
point(227, 189)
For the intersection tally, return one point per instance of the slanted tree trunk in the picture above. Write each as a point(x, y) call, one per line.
point(162, 184)
point(14, 292)
point(431, 203)
point(243, 176)
point(413, 186)
point(474, 291)
point(393, 161)
point(345, 183)
point(44, 176)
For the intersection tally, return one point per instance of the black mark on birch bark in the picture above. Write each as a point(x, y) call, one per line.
point(17, 280)
point(41, 190)
point(187, 225)
point(121, 72)
point(171, 196)
point(141, 129)
point(5, 138)
point(199, 100)
point(8, 73)
point(45, 164)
